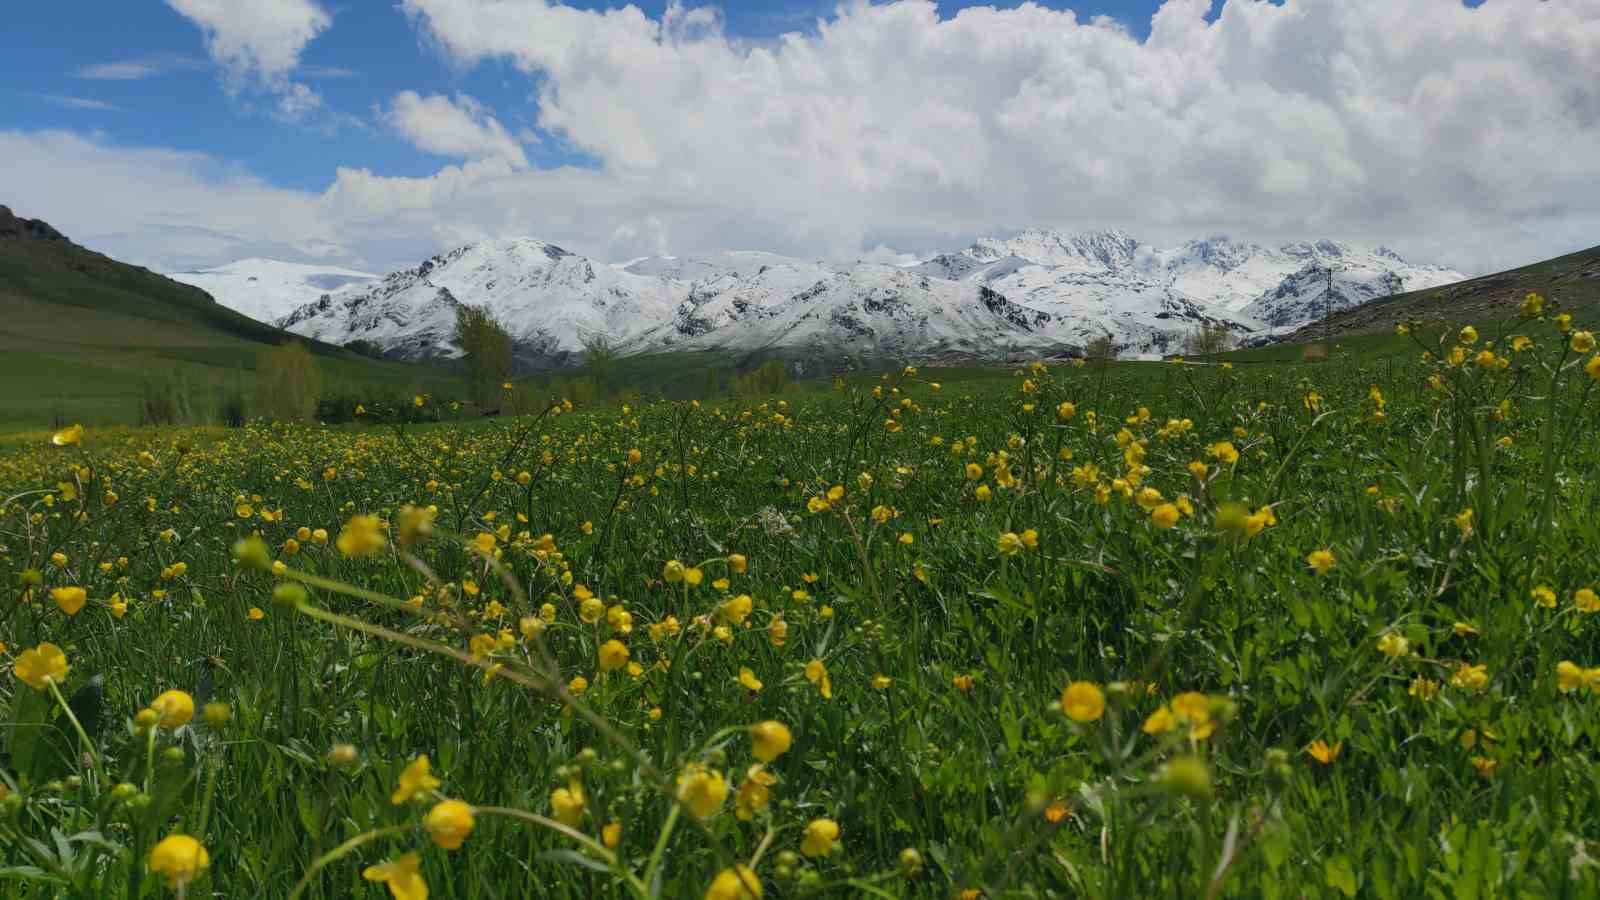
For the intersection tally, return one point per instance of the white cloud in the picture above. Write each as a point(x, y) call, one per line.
point(161, 208)
point(1469, 136)
point(134, 69)
point(461, 127)
point(257, 44)
point(1420, 123)
point(296, 101)
point(87, 103)
point(326, 72)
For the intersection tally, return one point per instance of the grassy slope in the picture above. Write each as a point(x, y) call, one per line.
point(82, 333)
point(1573, 281)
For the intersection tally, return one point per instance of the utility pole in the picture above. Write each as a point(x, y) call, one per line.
point(1327, 303)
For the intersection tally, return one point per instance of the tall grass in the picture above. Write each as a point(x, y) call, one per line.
point(1168, 629)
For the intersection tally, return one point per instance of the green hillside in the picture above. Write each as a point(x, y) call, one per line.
point(83, 337)
point(1571, 281)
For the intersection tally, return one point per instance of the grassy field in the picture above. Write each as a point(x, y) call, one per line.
point(1254, 630)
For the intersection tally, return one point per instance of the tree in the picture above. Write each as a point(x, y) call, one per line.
point(1208, 339)
point(713, 383)
point(365, 348)
point(771, 377)
point(287, 383)
point(486, 346)
point(1101, 350)
point(600, 361)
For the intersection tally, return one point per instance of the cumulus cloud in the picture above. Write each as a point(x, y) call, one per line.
point(1467, 136)
point(461, 127)
point(160, 208)
point(257, 44)
point(1419, 123)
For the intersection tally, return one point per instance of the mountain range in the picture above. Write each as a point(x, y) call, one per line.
point(268, 289)
point(1038, 293)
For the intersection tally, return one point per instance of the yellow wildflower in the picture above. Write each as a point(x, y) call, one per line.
point(1083, 701)
point(179, 858)
point(416, 781)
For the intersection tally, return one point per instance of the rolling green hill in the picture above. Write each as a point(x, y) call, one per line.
point(83, 336)
point(1572, 281)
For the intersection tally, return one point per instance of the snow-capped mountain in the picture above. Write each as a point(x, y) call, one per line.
point(551, 302)
point(866, 310)
point(268, 289)
point(1037, 293)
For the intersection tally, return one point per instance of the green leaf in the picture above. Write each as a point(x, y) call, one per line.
point(1339, 874)
point(310, 817)
point(34, 749)
point(576, 858)
point(29, 873)
point(87, 704)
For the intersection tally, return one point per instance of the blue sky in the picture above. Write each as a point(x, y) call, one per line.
point(370, 53)
point(185, 133)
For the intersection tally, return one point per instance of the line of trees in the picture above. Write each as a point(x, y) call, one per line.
point(289, 385)
point(1208, 339)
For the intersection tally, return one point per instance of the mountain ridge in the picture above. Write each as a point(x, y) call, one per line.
point(268, 289)
point(1038, 292)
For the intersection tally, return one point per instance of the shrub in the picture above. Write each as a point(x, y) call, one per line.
point(287, 383)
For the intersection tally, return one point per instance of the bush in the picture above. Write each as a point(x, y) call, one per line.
point(365, 348)
point(287, 383)
point(231, 408)
point(337, 409)
point(166, 400)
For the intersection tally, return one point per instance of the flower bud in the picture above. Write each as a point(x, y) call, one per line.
point(1187, 776)
point(288, 595)
point(1277, 765)
point(252, 552)
point(217, 714)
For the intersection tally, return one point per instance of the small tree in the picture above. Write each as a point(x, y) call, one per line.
point(287, 383)
point(1208, 339)
point(486, 346)
point(600, 361)
point(1101, 350)
point(713, 383)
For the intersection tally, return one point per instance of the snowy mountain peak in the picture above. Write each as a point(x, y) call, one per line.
point(1109, 249)
point(1039, 292)
point(268, 289)
point(1323, 249)
point(551, 301)
point(1220, 252)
